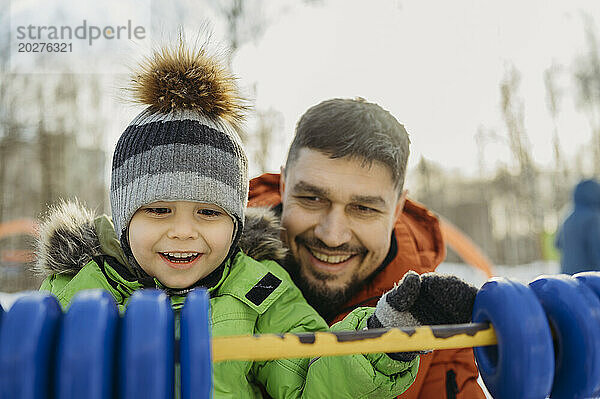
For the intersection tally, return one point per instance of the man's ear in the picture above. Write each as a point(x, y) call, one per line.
point(400, 205)
point(281, 180)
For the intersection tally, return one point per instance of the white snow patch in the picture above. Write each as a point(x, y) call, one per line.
point(7, 299)
point(523, 273)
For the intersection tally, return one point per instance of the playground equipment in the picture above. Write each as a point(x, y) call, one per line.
point(530, 341)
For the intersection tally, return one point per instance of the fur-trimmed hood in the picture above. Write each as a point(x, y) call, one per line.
point(71, 235)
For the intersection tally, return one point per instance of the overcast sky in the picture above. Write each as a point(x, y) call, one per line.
point(435, 65)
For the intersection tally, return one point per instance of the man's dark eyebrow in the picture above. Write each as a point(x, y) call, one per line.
point(305, 187)
point(375, 200)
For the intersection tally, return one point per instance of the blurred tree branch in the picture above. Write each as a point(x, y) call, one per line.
point(587, 83)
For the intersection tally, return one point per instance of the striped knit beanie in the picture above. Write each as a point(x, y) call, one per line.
point(185, 145)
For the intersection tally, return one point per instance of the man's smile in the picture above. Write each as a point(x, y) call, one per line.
point(329, 264)
point(323, 257)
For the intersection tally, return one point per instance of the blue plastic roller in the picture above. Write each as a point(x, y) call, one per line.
point(28, 339)
point(591, 279)
point(574, 314)
point(146, 347)
point(522, 364)
point(196, 364)
point(86, 355)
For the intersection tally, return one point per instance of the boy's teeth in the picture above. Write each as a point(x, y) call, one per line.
point(330, 258)
point(180, 257)
point(181, 254)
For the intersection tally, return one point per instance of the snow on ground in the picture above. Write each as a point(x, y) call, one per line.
point(523, 273)
point(6, 299)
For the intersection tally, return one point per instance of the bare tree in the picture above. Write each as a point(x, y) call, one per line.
point(560, 173)
point(9, 131)
point(513, 110)
point(587, 82)
point(270, 124)
point(553, 98)
point(482, 138)
point(244, 21)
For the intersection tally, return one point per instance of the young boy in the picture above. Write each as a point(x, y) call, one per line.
point(178, 193)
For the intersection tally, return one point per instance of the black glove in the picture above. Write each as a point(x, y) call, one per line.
point(428, 299)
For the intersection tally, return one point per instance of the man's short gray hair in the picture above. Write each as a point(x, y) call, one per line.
point(353, 128)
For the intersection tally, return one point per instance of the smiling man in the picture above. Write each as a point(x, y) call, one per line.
point(350, 230)
point(339, 234)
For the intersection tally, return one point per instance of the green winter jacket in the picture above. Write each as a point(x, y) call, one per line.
point(232, 313)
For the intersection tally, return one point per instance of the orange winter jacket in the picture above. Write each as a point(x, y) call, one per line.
point(442, 374)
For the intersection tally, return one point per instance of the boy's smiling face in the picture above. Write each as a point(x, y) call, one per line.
point(180, 242)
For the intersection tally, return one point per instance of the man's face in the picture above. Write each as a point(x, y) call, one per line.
point(338, 216)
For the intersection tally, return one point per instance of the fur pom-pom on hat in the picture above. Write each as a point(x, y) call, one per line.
point(185, 145)
point(184, 78)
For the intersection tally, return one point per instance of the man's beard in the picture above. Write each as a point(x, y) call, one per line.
point(325, 300)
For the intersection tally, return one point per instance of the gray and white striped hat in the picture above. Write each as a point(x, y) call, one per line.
point(183, 147)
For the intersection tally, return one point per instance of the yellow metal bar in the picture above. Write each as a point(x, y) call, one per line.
point(273, 346)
